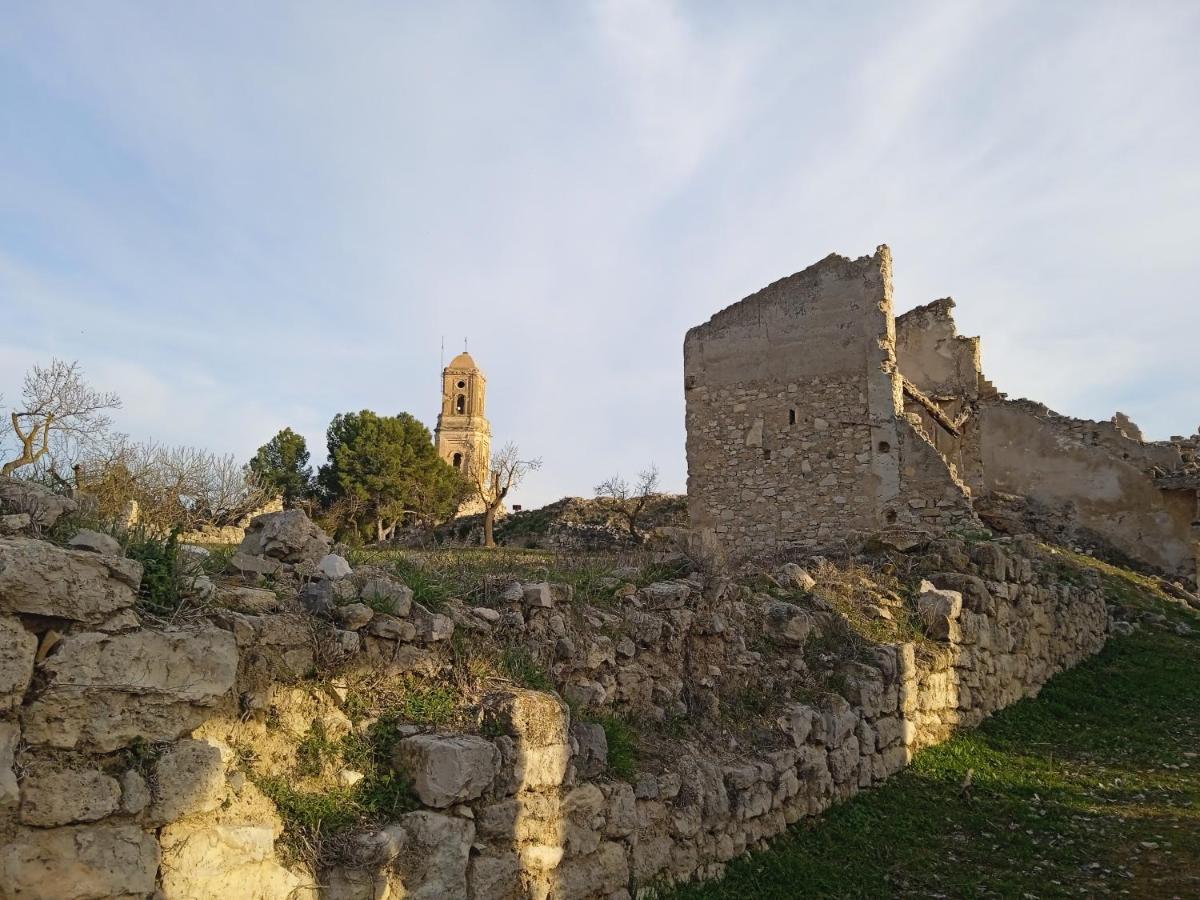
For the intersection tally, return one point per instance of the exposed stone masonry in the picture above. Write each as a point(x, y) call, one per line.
point(524, 807)
point(797, 434)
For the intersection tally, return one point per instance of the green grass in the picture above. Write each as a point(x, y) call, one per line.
point(311, 817)
point(410, 699)
point(520, 665)
point(1090, 790)
point(477, 576)
point(622, 747)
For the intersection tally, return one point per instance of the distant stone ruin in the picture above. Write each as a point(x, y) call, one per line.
point(817, 419)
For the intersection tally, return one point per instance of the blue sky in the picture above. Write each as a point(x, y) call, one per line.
point(246, 216)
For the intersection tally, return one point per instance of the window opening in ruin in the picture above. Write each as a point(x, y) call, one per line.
point(460, 405)
point(791, 417)
point(458, 460)
point(885, 447)
point(766, 454)
point(890, 516)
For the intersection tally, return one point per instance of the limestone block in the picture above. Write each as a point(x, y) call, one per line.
point(96, 542)
point(15, 523)
point(37, 578)
point(80, 862)
point(288, 536)
point(189, 778)
point(583, 809)
point(496, 875)
point(599, 874)
point(431, 627)
point(251, 601)
point(354, 616)
point(17, 650)
point(447, 769)
point(651, 855)
point(334, 567)
point(135, 793)
point(42, 505)
point(103, 691)
point(666, 594)
point(793, 576)
point(434, 865)
point(938, 610)
point(591, 759)
point(541, 767)
point(63, 797)
point(535, 718)
point(223, 862)
point(253, 566)
point(537, 595)
point(387, 594)
point(798, 721)
point(788, 623)
point(621, 819)
point(9, 792)
point(353, 883)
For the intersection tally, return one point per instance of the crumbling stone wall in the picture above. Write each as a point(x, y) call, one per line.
point(121, 773)
point(796, 432)
point(1093, 477)
point(546, 825)
point(943, 367)
point(1095, 482)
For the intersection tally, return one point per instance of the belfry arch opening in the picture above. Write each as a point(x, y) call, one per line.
point(457, 459)
point(460, 404)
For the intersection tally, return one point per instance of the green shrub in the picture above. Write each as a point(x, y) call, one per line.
point(159, 592)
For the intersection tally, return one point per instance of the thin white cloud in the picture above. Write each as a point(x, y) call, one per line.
point(261, 216)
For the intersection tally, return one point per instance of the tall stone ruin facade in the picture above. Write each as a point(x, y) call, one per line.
point(816, 418)
point(797, 431)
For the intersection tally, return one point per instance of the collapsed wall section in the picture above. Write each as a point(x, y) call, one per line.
point(1030, 468)
point(797, 435)
point(943, 384)
point(1092, 480)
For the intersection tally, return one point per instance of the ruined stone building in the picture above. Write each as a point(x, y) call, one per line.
point(463, 435)
point(816, 419)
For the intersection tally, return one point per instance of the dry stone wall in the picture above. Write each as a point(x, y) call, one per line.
point(544, 827)
point(120, 774)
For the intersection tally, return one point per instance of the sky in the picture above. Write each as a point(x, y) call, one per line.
point(242, 217)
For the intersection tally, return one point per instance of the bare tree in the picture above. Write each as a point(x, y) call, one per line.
point(627, 501)
point(172, 486)
point(490, 484)
point(56, 404)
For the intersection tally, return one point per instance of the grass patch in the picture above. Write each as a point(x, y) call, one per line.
point(622, 745)
point(523, 667)
point(1090, 790)
point(478, 577)
point(314, 819)
point(413, 700)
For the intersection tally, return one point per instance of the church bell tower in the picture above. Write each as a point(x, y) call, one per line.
point(463, 435)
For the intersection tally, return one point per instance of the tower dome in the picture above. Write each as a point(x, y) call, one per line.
point(463, 362)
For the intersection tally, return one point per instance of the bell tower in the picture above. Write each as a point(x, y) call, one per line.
point(463, 435)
